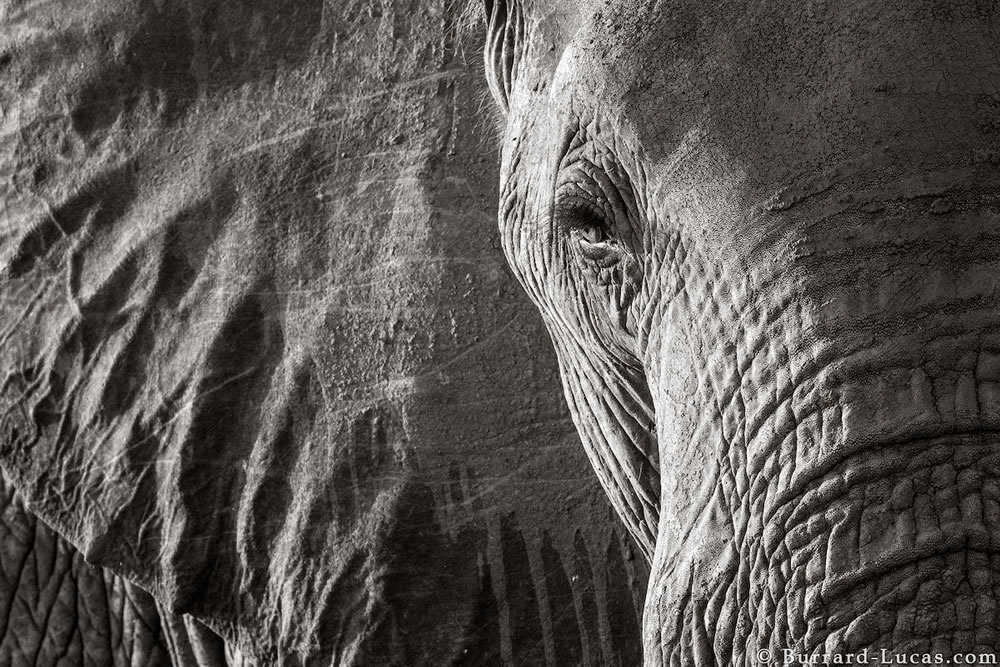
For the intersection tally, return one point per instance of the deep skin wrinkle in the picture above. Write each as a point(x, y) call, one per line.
point(765, 239)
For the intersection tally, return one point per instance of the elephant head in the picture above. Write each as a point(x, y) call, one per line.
point(765, 240)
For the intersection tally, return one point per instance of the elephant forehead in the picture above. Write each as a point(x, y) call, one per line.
point(779, 87)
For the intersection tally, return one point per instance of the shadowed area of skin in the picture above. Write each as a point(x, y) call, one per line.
point(59, 610)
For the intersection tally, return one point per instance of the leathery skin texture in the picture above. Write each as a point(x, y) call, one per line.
point(58, 610)
point(765, 240)
point(263, 370)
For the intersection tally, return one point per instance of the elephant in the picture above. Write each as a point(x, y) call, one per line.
point(764, 238)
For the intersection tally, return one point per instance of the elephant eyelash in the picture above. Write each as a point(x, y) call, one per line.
point(586, 223)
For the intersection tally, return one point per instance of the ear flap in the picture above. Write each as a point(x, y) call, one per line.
point(504, 41)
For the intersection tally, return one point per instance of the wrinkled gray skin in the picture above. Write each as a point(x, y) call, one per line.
point(764, 238)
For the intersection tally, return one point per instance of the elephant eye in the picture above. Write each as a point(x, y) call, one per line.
point(592, 234)
point(588, 224)
point(596, 218)
point(593, 213)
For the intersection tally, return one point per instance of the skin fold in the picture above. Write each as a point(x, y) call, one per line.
point(764, 239)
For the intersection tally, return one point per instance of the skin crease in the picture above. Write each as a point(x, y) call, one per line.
point(765, 239)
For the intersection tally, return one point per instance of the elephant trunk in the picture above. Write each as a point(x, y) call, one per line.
point(847, 420)
point(893, 548)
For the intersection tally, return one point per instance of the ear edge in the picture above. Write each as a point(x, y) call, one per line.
point(504, 41)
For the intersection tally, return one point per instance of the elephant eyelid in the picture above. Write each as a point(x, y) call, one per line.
point(585, 223)
point(594, 237)
point(601, 192)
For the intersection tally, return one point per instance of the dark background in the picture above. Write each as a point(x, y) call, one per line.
point(260, 352)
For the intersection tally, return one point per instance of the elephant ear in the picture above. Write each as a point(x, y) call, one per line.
point(504, 41)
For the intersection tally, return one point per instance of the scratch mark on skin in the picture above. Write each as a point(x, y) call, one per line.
point(411, 153)
point(180, 411)
point(281, 138)
point(429, 78)
point(445, 259)
point(484, 491)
